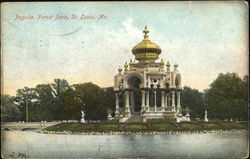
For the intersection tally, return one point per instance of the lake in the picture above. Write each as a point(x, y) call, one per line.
point(230, 144)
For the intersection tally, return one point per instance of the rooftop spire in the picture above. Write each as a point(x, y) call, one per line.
point(175, 66)
point(145, 31)
point(168, 66)
point(119, 69)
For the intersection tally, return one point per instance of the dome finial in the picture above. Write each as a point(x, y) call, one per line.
point(168, 66)
point(126, 66)
point(145, 31)
point(175, 66)
point(119, 69)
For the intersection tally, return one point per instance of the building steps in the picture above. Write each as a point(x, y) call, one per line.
point(134, 118)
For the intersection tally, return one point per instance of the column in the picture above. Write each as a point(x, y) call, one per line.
point(155, 100)
point(162, 99)
point(178, 101)
point(149, 83)
point(127, 111)
point(166, 100)
point(116, 104)
point(143, 101)
point(169, 99)
point(132, 101)
point(147, 100)
point(173, 99)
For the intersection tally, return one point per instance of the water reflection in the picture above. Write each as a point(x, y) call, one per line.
point(217, 145)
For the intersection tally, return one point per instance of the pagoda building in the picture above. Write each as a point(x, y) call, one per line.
point(145, 88)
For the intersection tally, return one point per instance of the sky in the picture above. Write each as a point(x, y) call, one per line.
point(203, 38)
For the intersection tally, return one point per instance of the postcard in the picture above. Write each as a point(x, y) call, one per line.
point(124, 79)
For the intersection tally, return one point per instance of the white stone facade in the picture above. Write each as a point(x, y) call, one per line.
point(147, 87)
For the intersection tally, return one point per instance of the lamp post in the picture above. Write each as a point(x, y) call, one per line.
point(27, 112)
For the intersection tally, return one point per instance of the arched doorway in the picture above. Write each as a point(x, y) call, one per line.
point(134, 81)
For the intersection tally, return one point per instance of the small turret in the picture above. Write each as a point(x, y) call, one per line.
point(126, 66)
point(168, 66)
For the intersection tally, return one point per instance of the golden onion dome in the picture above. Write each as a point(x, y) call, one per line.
point(146, 46)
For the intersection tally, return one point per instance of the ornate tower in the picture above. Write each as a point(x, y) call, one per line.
point(145, 86)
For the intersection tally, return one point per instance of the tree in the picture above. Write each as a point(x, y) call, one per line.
point(227, 97)
point(58, 87)
point(45, 101)
point(93, 101)
point(110, 93)
point(192, 99)
point(25, 97)
point(9, 110)
point(71, 106)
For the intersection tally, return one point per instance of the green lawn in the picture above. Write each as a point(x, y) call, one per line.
point(157, 126)
point(211, 126)
point(108, 127)
point(191, 127)
point(135, 127)
point(163, 127)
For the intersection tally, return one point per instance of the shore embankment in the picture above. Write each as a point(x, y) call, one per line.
point(161, 127)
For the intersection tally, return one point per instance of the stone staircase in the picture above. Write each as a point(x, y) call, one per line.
point(134, 118)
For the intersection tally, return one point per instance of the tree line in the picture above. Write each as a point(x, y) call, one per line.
point(227, 98)
point(58, 101)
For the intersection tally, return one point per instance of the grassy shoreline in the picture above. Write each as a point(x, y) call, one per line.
point(158, 127)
